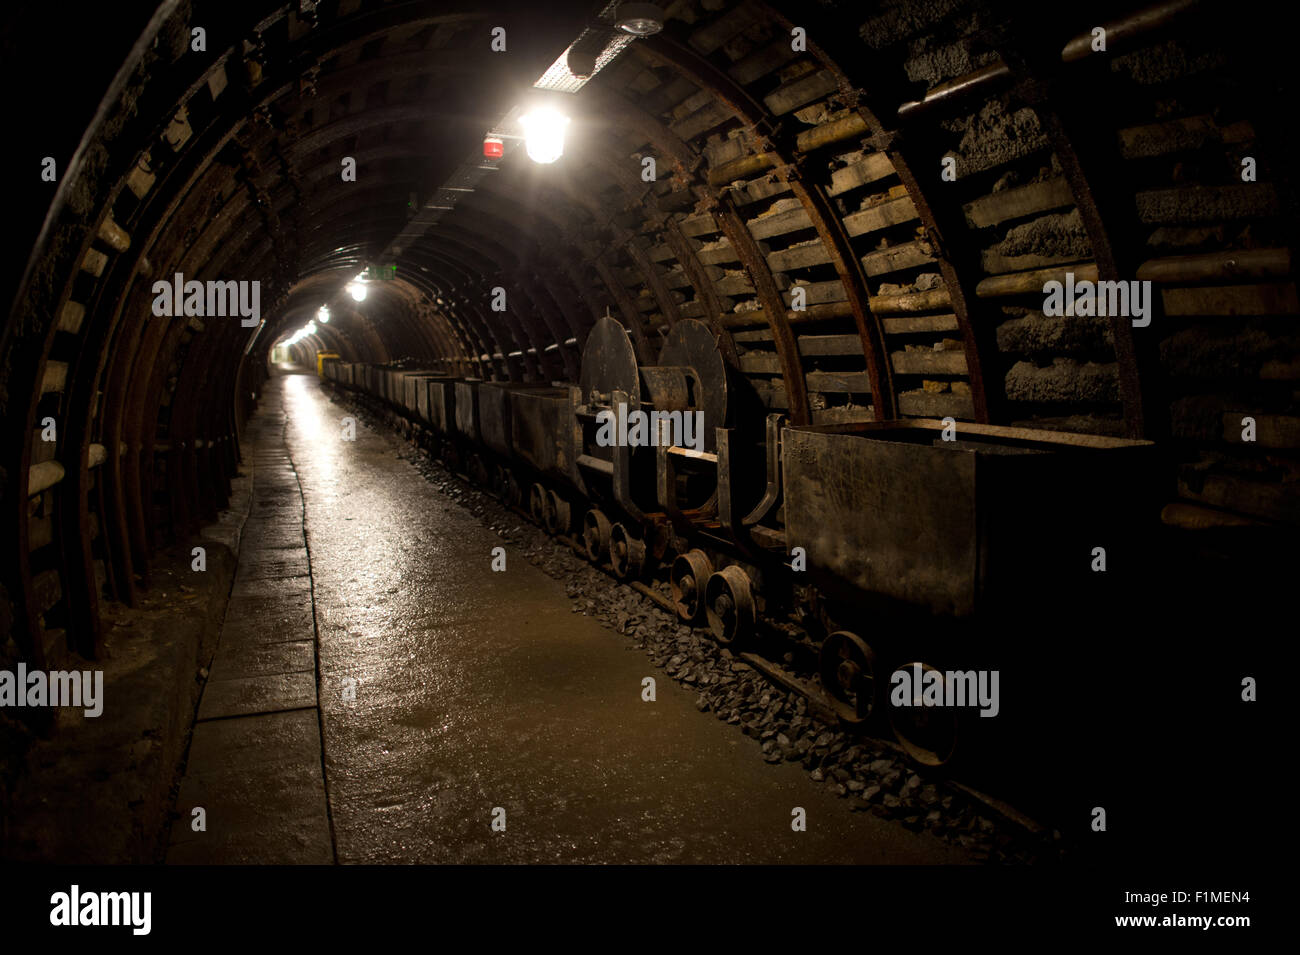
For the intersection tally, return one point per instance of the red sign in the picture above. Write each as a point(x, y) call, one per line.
point(493, 148)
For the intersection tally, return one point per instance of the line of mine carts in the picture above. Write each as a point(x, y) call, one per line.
point(874, 546)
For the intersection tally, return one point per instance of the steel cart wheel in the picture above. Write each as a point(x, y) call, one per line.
point(537, 503)
point(689, 577)
point(848, 670)
point(557, 513)
point(927, 733)
point(595, 535)
point(729, 598)
point(626, 553)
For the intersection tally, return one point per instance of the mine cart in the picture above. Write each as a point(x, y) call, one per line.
point(494, 416)
point(468, 451)
point(375, 379)
point(541, 428)
point(927, 535)
point(466, 422)
point(391, 384)
point(538, 422)
point(627, 522)
point(987, 525)
point(421, 386)
point(342, 372)
point(412, 390)
point(442, 405)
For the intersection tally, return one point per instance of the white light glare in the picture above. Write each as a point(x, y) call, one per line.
point(300, 334)
point(357, 290)
point(324, 314)
point(544, 134)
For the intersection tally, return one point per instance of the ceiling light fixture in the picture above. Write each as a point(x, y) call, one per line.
point(640, 19)
point(300, 334)
point(544, 134)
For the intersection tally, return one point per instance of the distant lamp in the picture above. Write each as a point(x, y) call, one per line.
point(544, 134)
point(323, 315)
point(357, 290)
point(640, 19)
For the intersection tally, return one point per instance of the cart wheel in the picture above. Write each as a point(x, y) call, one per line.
point(689, 576)
point(729, 598)
point(558, 514)
point(927, 733)
point(848, 671)
point(595, 535)
point(537, 503)
point(626, 553)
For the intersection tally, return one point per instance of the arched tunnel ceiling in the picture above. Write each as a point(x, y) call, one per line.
point(801, 205)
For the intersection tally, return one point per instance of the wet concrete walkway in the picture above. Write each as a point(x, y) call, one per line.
point(254, 765)
point(451, 695)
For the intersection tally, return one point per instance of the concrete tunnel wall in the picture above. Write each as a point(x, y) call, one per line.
point(777, 169)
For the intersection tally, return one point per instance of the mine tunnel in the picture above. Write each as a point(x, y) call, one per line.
point(704, 432)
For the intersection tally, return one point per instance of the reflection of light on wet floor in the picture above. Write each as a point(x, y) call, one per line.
point(308, 422)
point(477, 689)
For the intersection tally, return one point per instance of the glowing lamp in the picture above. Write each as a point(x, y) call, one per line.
point(493, 148)
point(544, 134)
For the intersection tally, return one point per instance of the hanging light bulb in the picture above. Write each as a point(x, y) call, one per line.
point(544, 134)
